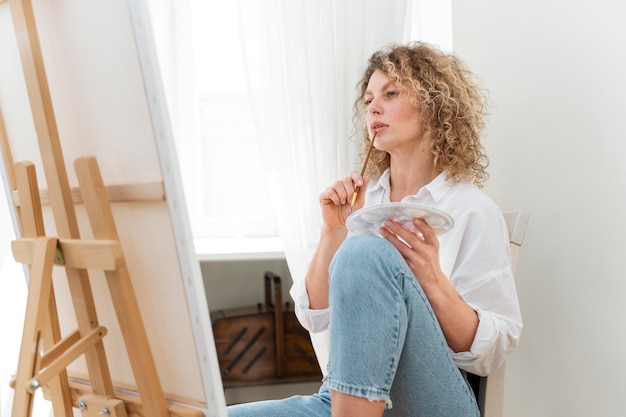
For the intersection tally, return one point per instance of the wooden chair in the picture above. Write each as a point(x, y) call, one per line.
point(489, 390)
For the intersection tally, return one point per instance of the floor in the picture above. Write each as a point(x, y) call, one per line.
point(267, 392)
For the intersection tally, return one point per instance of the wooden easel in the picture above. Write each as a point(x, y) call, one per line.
point(105, 253)
point(44, 354)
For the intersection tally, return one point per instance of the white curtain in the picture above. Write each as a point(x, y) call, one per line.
point(303, 60)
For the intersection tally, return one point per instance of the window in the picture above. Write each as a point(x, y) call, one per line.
point(215, 131)
point(227, 192)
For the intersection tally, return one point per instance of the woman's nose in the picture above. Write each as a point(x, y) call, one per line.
point(374, 107)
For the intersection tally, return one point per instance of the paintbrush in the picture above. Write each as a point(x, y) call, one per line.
point(367, 157)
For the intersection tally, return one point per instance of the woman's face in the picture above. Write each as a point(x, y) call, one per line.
point(392, 115)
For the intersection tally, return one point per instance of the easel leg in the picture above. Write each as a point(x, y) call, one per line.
point(36, 308)
point(32, 225)
point(5, 150)
point(58, 184)
point(121, 289)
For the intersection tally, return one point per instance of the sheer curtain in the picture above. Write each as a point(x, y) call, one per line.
point(303, 60)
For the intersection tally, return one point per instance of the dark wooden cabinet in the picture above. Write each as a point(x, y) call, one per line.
point(263, 344)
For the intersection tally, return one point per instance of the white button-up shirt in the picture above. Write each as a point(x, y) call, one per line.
point(474, 255)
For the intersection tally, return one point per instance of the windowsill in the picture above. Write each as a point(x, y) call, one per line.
point(240, 249)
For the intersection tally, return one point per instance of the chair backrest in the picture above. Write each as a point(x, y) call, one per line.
point(491, 389)
point(516, 222)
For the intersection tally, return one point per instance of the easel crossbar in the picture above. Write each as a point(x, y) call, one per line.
point(106, 255)
point(134, 404)
point(60, 360)
point(117, 193)
point(61, 355)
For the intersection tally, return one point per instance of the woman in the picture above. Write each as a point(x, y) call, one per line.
point(409, 311)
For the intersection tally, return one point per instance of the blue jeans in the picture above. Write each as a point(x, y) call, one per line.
point(385, 343)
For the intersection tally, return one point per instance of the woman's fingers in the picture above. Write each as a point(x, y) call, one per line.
point(341, 191)
point(357, 179)
point(420, 247)
point(427, 233)
point(421, 234)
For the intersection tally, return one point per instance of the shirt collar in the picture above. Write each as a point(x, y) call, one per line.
point(437, 188)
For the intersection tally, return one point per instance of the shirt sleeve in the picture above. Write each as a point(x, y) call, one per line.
point(497, 335)
point(490, 292)
point(312, 320)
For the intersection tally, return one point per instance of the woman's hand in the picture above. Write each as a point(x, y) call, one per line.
point(335, 204)
point(421, 250)
point(335, 200)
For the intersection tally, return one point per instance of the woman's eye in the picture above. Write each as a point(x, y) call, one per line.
point(392, 93)
point(388, 94)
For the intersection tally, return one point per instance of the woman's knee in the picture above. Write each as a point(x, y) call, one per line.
point(361, 254)
point(358, 251)
point(365, 264)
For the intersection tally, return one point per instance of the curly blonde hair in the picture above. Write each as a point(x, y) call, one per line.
point(451, 103)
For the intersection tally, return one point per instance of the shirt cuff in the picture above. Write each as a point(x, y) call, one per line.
point(313, 320)
point(481, 359)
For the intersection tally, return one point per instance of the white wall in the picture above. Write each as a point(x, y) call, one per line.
point(556, 73)
point(240, 283)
